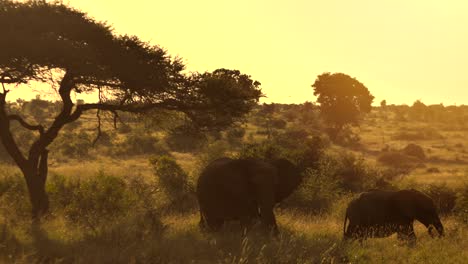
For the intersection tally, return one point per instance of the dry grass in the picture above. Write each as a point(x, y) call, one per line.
point(304, 238)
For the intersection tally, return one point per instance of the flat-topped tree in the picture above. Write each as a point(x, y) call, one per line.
point(42, 40)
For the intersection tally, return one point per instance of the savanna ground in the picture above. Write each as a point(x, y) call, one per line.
point(110, 204)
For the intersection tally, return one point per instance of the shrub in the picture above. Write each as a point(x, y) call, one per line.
point(73, 145)
point(444, 197)
point(185, 138)
point(70, 127)
point(414, 151)
point(4, 156)
point(461, 207)
point(316, 193)
point(345, 137)
point(433, 170)
point(14, 202)
point(139, 143)
point(148, 201)
point(298, 148)
point(174, 180)
point(124, 129)
point(421, 134)
point(398, 160)
point(354, 173)
point(105, 139)
point(265, 150)
point(235, 134)
point(91, 202)
point(278, 123)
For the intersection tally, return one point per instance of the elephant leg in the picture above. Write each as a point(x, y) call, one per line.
point(214, 223)
point(249, 219)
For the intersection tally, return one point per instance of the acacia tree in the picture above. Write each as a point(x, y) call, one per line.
point(66, 50)
point(342, 99)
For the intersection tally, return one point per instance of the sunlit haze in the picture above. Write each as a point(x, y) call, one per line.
point(401, 50)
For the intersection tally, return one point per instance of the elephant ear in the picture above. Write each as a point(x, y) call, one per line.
point(289, 178)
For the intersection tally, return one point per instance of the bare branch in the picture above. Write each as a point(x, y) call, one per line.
point(26, 124)
point(5, 91)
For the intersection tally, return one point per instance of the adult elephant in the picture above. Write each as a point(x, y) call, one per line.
point(380, 213)
point(245, 190)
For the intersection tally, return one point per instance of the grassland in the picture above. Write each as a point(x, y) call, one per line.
point(142, 233)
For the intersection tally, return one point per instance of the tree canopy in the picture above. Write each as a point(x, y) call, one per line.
point(342, 98)
point(73, 53)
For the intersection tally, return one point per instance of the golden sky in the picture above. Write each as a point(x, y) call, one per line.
point(402, 50)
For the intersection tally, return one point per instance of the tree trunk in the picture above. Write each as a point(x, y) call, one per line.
point(36, 177)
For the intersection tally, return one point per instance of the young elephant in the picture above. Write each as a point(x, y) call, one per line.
point(382, 213)
point(244, 190)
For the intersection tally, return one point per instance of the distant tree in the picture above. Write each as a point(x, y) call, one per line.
point(65, 49)
point(383, 103)
point(342, 99)
point(418, 111)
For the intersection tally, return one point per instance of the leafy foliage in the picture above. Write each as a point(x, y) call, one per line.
point(443, 196)
point(73, 145)
point(92, 202)
point(186, 138)
point(342, 99)
point(139, 142)
point(175, 182)
point(461, 207)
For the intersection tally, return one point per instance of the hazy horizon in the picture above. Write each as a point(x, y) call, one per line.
point(401, 51)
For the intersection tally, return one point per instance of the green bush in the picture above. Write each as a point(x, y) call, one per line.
point(296, 147)
point(175, 182)
point(420, 134)
point(14, 199)
point(73, 145)
point(4, 156)
point(444, 197)
point(278, 123)
point(124, 128)
point(316, 194)
point(139, 143)
point(356, 175)
point(461, 207)
point(414, 150)
point(235, 134)
point(345, 137)
point(92, 202)
point(398, 160)
point(185, 138)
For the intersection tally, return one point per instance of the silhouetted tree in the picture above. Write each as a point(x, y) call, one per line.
point(342, 99)
point(418, 111)
point(383, 103)
point(64, 48)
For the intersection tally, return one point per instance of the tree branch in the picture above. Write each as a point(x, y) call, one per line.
point(7, 138)
point(66, 86)
point(5, 91)
point(25, 124)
